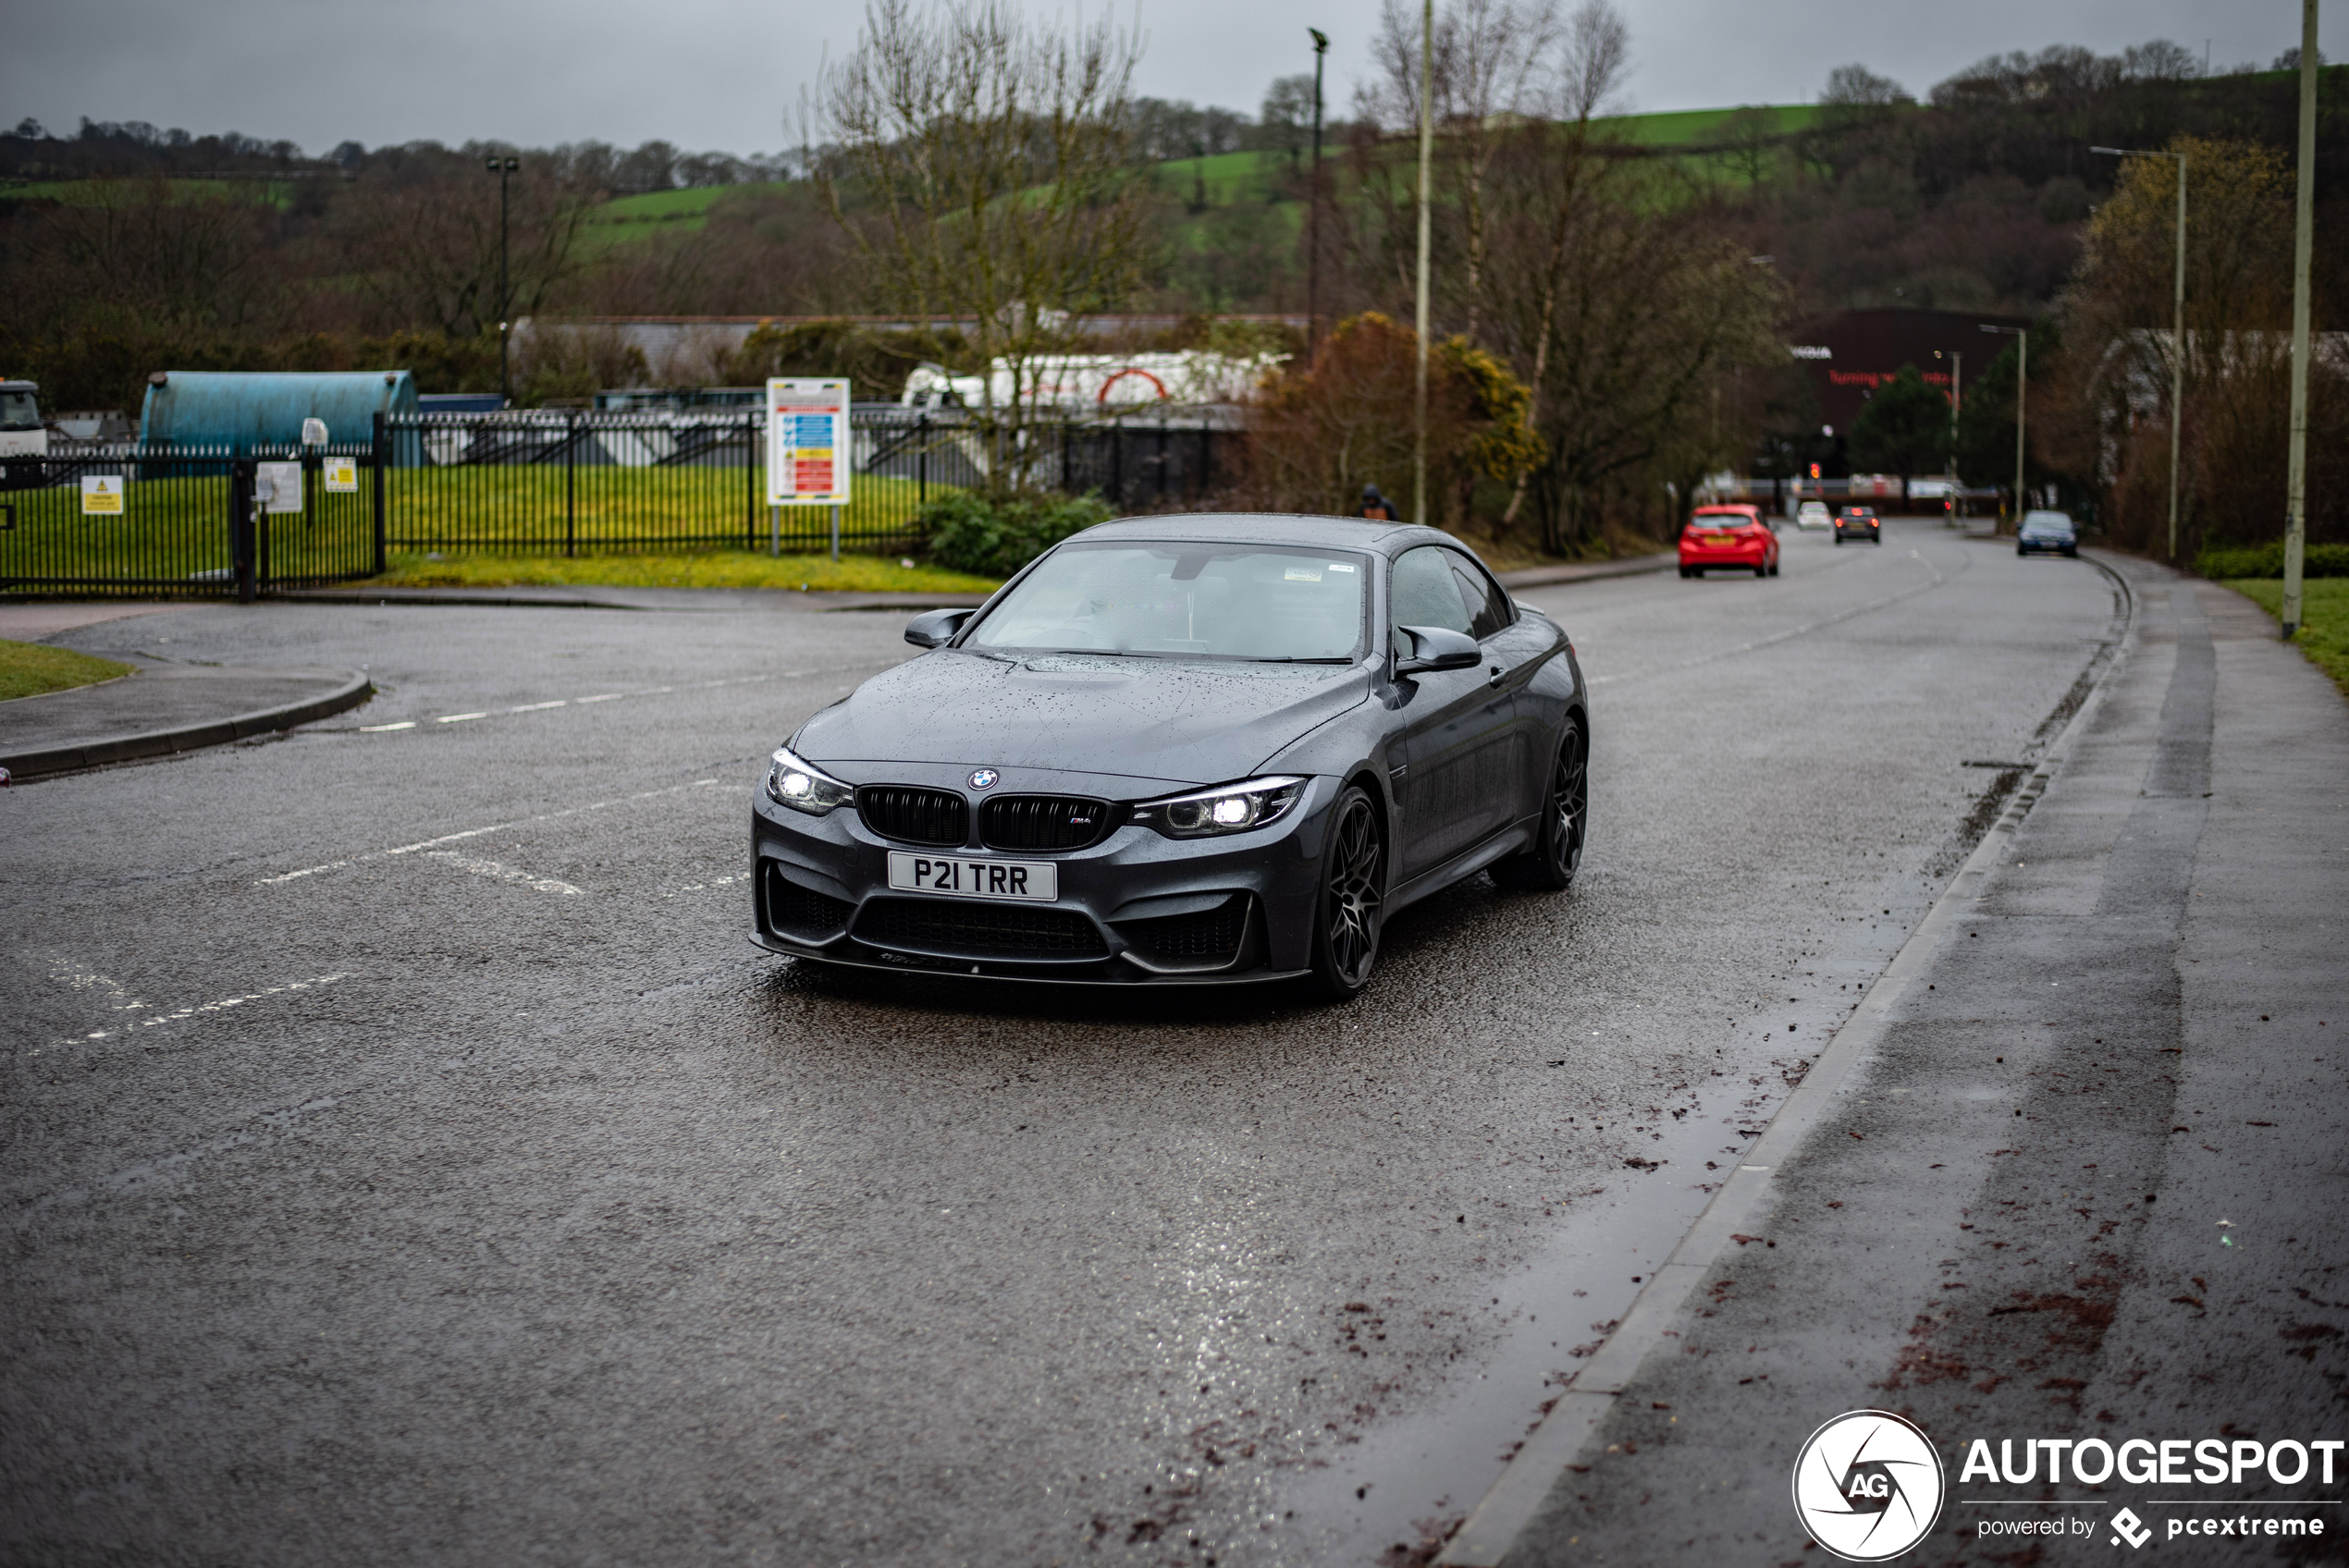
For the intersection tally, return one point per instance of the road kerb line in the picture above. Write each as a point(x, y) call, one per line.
point(1511, 1503)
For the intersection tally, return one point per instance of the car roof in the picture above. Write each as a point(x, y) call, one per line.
point(1274, 528)
point(1719, 506)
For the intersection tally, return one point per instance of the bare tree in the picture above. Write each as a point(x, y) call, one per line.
point(984, 173)
point(1492, 61)
point(425, 245)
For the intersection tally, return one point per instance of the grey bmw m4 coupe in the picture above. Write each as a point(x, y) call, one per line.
point(1182, 750)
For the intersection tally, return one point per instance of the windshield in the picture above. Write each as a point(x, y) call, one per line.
point(1185, 600)
point(17, 412)
point(2046, 522)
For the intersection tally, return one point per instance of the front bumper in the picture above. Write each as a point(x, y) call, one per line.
point(1136, 908)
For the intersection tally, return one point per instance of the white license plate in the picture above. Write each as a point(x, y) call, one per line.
point(1036, 881)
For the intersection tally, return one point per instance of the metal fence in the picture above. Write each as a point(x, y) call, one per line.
point(186, 519)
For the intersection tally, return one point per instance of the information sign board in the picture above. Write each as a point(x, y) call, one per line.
point(808, 451)
point(279, 486)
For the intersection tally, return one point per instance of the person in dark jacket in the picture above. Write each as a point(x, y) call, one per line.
point(1377, 506)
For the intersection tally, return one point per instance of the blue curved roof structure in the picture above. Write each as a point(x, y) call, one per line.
point(250, 410)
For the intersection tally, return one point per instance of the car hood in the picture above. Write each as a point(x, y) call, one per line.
point(1174, 721)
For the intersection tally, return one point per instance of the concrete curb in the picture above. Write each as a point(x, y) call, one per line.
point(1502, 1514)
point(428, 597)
point(356, 689)
point(1546, 576)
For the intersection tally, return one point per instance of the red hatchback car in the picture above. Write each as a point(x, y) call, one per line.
point(1733, 536)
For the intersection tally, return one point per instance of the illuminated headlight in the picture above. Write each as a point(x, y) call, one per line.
point(1227, 808)
point(796, 782)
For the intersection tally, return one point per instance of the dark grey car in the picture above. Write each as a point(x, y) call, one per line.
point(1182, 750)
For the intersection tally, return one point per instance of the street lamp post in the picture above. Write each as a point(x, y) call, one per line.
point(2021, 337)
point(1427, 157)
point(2177, 330)
point(2296, 518)
point(504, 169)
point(1313, 214)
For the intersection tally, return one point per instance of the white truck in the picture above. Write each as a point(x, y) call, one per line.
point(21, 432)
point(1095, 383)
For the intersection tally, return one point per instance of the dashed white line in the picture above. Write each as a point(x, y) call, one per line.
point(457, 718)
point(423, 844)
point(382, 728)
point(497, 871)
point(611, 697)
point(223, 1005)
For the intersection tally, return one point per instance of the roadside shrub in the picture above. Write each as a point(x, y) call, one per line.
point(2267, 561)
point(996, 537)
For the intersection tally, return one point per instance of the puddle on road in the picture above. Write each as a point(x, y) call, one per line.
point(1420, 1474)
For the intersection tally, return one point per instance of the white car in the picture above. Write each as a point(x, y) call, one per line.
point(1813, 514)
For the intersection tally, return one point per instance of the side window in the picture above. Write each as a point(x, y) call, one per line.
point(1488, 607)
point(1424, 591)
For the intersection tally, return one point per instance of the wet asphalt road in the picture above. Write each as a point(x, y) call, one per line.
point(379, 1194)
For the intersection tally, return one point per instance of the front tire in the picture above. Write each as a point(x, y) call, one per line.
point(1550, 864)
point(1351, 898)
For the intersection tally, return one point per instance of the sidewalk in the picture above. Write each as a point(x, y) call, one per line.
point(161, 707)
point(2082, 1180)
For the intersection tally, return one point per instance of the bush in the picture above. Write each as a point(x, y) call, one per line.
point(995, 538)
point(2267, 561)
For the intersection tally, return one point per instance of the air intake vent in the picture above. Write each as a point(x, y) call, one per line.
point(802, 911)
point(1211, 936)
point(1044, 822)
point(976, 930)
point(914, 816)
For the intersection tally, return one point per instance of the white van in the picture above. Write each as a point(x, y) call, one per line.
point(21, 432)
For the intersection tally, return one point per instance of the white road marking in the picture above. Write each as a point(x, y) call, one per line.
point(703, 886)
point(497, 871)
point(477, 832)
point(616, 696)
point(223, 1005)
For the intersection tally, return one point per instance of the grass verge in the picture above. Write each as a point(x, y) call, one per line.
point(709, 569)
point(2324, 626)
point(26, 669)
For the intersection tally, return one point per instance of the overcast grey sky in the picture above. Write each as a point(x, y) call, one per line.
point(724, 77)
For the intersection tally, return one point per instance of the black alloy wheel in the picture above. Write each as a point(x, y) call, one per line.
point(1346, 916)
point(1762, 570)
point(1550, 864)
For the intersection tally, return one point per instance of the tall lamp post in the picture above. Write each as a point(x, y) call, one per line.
point(2177, 330)
point(2021, 337)
point(1427, 157)
point(504, 169)
point(1313, 214)
point(2295, 518)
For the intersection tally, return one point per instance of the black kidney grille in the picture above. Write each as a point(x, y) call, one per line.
point(914, 816)
point(1043, 822)
point(1210, 934)
point(803, 912)
point(979, 930)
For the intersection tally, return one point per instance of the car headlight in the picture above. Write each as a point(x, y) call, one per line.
point(1227, 808)
point(796, 782)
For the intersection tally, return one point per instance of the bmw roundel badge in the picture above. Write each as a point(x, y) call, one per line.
point(985, 779)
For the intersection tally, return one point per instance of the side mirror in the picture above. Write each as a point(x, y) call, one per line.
point(932, 628)
point(1434, 647)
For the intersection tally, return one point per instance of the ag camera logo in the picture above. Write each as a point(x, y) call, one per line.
point(1868, 1485)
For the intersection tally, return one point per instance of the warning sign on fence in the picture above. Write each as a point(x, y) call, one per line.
point(342, 476)
point(809, 456)
point(102, 494)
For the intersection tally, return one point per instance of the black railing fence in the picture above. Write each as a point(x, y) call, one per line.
point(192, 519)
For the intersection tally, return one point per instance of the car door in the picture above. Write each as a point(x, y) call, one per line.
point(1462, 741)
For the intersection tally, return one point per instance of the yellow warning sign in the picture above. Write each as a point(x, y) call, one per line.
point(342, 476)
point(102, 494)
